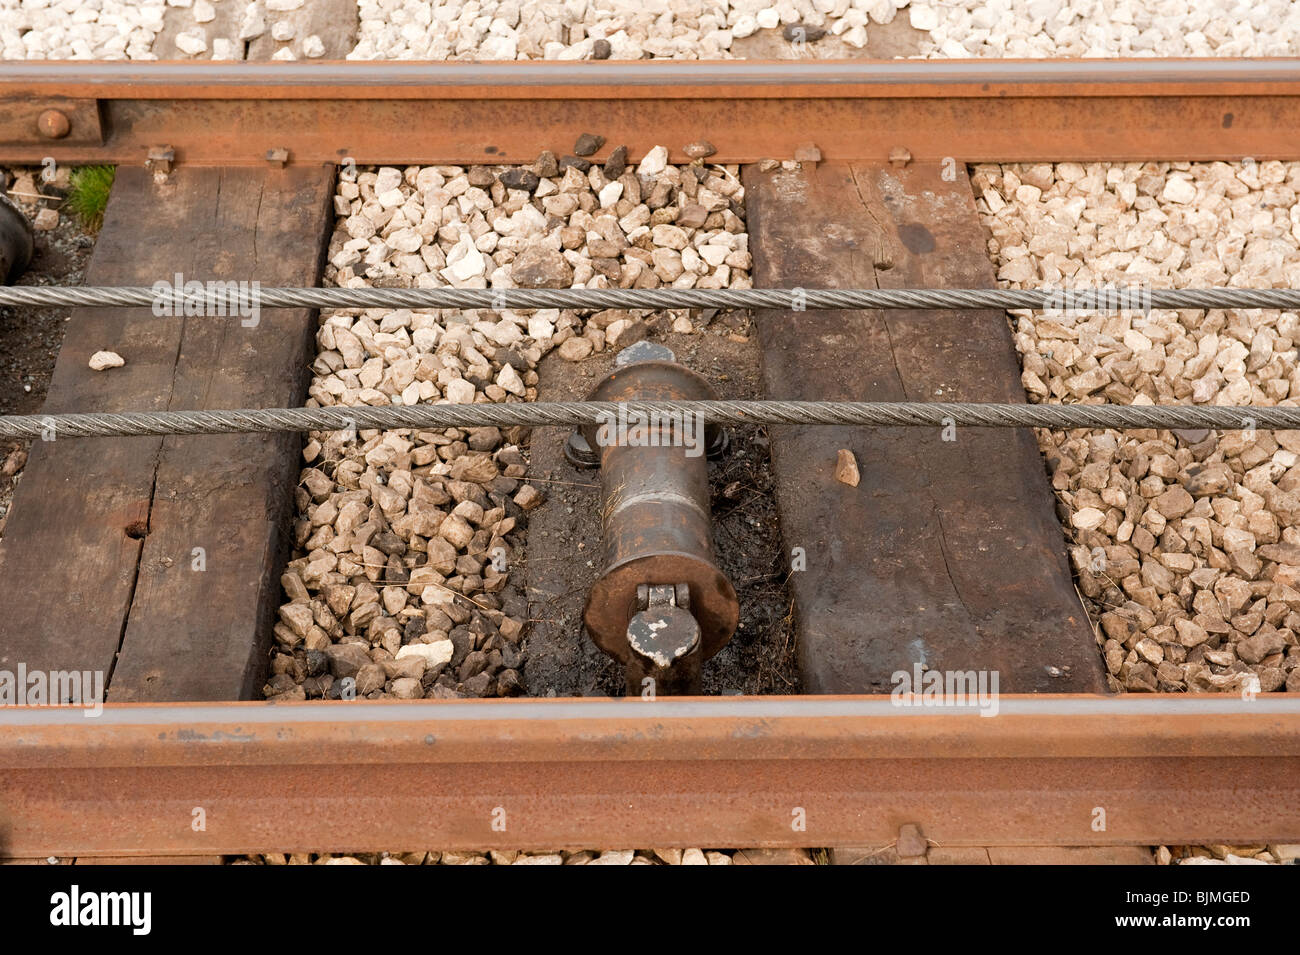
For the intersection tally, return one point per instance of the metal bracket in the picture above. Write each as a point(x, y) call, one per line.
point(50, 121)
point(663, 595)
point(577, 448)
point(160, 161)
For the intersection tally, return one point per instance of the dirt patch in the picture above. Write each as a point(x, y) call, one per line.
point(893, 40)
point(30, 337)
point(564, 535)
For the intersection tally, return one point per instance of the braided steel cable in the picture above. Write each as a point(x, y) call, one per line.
point(223, 298)
point(570, 413)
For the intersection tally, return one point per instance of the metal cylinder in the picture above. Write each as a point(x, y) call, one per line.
point(655, 517)
point(17, 242)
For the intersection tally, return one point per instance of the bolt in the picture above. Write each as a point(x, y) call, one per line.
point(160, 162)
point(579, 453)
point(53, 124)
point(899, 157)
point(807, 154)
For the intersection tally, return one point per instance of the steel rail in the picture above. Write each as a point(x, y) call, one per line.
point(186, 79)
point(689, 772)
point(972, 110)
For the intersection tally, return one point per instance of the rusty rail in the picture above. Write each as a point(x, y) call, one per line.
point(976, 110)
point(823, 771)
point(741, 771)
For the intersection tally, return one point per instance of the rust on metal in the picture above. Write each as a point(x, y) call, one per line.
point(54, 124)
point(159, 160)
point(664, 641)
point(655, 511)
point(1004, 110)
point(368, 776)
point(38, 121)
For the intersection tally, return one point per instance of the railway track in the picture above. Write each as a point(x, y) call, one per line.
point(228, 172)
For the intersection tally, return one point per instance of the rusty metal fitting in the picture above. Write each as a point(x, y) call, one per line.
point(664, 642)
point(657, 528)
point(17, 242)
point(582, 449)
point(159, 161)
point(53, 124)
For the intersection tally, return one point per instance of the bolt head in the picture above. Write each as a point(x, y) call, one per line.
point(53, 124)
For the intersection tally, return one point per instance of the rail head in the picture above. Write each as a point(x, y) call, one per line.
point(586, 730)
point(733, 79)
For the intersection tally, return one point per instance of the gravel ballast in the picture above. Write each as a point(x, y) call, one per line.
point(1184, 543)
point(77, 30)
point(407, 539)
point(707, 29)
point(657, 29)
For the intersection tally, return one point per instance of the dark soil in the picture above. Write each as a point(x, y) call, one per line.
point(30, 337)
point(564, 535)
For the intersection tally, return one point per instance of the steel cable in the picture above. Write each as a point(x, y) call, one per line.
point(231, 298)
point(570, 413)
point(223, 298)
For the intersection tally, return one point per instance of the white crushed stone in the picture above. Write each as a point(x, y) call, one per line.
point(1120, 28)
point(1273, 854)
point(577, 29)
point(79, 30)
point(192, 42)
point(683, 29)
point(253, 22)
point(102, 360)
point(705, 29)
point(1187, 544)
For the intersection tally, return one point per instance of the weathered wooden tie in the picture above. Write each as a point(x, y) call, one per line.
point(948, 554)
point(153, 560)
